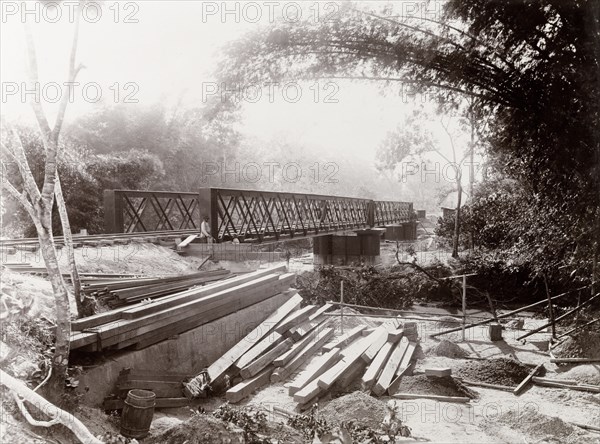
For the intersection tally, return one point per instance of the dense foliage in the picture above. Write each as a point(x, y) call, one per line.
point(533, 68)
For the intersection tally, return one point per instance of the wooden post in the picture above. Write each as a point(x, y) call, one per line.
point(550, 308)
point(464, 305)
point(342, 307)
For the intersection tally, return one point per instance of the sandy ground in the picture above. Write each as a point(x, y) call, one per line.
point(495, 416)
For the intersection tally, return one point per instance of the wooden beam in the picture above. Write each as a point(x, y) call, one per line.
point(315, 369)
point(187, 241)
point(217, 369)
point(376, 366)
point(308, 350)
point(573, 360)
point(320, 311)
point(345, 339)
point(266, 359)
point(527, 380)
point(265, 344)
point(308, 392)
point(287, 357)
point(389, 371)
point(295, 318)
point(432, 397)
point(247, 387)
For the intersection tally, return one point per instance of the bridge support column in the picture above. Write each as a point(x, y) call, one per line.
point(113, 211)
point(362, 247)
point(401, 232)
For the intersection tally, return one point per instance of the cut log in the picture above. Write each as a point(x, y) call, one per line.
point(527, 379)
point(581, 388)
point(559, 381)
point(377, 365)
point(247, 387)
point(345, 339)
point(389, 370)
point(266, 359)
point(395, 335)
point(308, 350)
point(432, 397)
point(315, 369)
point(219, 367)
point(406, 359)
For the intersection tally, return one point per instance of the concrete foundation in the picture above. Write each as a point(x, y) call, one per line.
point(189, 352)
point(233, 252)
point(363, 247)
point(401, 232)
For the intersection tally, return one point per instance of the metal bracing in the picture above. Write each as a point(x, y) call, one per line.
point(249, 215)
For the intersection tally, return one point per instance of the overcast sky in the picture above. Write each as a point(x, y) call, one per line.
point(166, 51)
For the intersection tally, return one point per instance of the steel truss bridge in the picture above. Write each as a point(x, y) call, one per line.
point(252, 216)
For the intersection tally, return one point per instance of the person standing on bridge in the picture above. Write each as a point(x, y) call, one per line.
point(205, 235)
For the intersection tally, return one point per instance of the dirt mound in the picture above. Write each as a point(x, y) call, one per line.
point(200, 429)
point(352, 318)
point(448, 349)
point(355, 406)
point(539, 427)
point(582, 345)
point(501, 371)
point(448, 322)
point(587, 374)
point(425, 385)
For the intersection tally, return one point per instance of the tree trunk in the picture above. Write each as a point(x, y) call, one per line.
point(456, 238)
point(55, 386)
point(68, 238)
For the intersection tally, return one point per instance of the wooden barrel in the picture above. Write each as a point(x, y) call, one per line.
point(137, 413)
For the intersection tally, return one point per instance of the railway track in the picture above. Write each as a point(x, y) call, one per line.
point(111, 238)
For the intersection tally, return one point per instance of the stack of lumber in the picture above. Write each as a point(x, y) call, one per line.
point(167, 386)
point(288, 339)
point(26, 267)
point(117, 292)
point(147, 323)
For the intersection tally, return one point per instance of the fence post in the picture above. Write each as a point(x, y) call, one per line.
point(464, 305)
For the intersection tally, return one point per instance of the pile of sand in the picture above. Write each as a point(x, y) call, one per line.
point(424, 385)
point(199, 429)
point(503, 371)
point(352, 318)
point(448, 349)
point(539, 427)
point(582, 345)
point(356, 406)
point(586, 374)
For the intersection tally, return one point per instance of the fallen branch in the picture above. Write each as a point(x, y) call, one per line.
point(20, 390)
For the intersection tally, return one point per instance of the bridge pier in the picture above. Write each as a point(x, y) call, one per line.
point(401, 232)
point(361, 247)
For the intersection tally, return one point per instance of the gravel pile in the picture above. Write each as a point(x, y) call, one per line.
point(540, 428)
point(424, 385)
point(582, 345)
point(585, 374)
point(355, 406)
point(448, 349)
point(501, 371)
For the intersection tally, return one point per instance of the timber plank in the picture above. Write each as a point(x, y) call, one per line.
point(295, 318)
point(377, 365)
point(320, 311)
point(287, 357)
point(389, 370)
point(268, 342)
point(247, 387)
point(257, 365)
point(308, 392)
point(345, 339)
point(121, 327)
point(527, 380)
point(219, 367)
point(316, 369)
point(308, 350)
point(219, 305)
